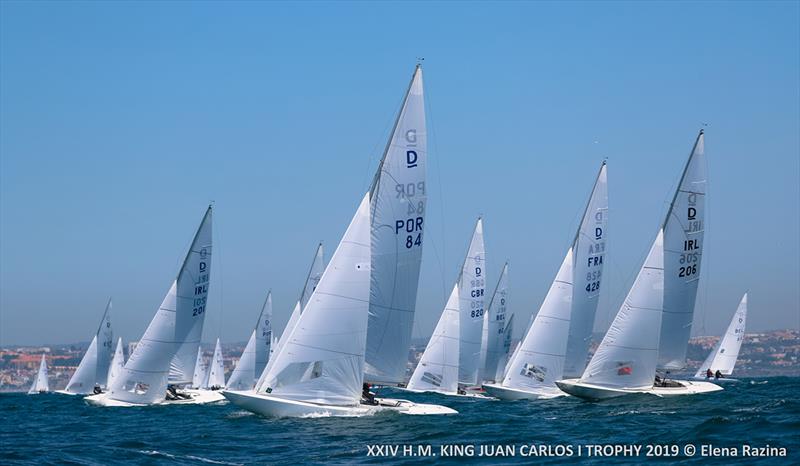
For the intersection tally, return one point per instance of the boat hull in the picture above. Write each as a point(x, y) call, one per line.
point(593, 392)
point(713, 380)
point(463, 395)
point(199, 397)
point(273, 406)
point(64, 392)
point(511, 394)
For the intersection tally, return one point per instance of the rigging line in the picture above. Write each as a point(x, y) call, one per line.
point(435, 141)
point(381, 137)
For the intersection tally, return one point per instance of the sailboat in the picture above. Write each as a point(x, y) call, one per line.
point(451, 360)
point(166, 353)
point(319, 368)
point(200, 376)
point(256, 353)
point(216, 372)
point(92, 372)
point(560, 333)
point(723, 357)
point(40, 383)
point(651, 329)
point(117, 363)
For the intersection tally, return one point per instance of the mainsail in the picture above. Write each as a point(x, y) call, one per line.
point(256, 353)
point(115, 368)
point(471, 283)
point(40, 383)
point(588, 249)
point(93, 368)
point(495, 327)
point(723, 357)
point(397, 203)
point(179, 320)
point(322, 359)
point(438, 367)
point(683, 251)
point(626, 358)
point(216, 372)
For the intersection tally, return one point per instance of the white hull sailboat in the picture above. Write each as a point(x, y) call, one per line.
point(557, 341)
point(209, 390)
point(451, 360)
point(92, 371)
point(256, 353)
point(167, 352)
point(651, 330)
point(40, 383)
point(723, 357)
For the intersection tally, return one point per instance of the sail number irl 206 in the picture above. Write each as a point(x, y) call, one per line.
point(201, 289)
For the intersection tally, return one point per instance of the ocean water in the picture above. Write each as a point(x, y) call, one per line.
point(59, 429)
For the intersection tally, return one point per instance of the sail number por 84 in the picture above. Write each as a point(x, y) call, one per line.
point(412, 226)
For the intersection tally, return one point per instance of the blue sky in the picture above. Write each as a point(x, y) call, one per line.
point(119, 122)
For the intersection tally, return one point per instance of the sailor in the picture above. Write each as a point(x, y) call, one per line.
point(709, 374)
point(172, 392)
point(367, 395)
point(97, 390)
point(718, 374)
point(461, 391)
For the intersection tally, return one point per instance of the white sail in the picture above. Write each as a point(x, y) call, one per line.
point(200, 375)
point(471, 285)
point(178, 320)
point(40, 383)
point(683, 252)
point(93, 368)
point(589, 252)
point(255, 354)
point(495, 347)
point(312, 280)
point(502, 363)
point(322, 360)
point(216, 372)
point(539, 361)
point(117, 363)
point(438, 367)
point(723, 357)
point(397, 196)
point(627, 356)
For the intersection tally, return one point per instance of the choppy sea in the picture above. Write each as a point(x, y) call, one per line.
point(59, 429)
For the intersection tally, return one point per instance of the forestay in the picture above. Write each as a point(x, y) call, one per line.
point(438, 367)
point(627, 356)
point(397, 202)
point(93, 368)
point(256, 353)
point(589, 249)
point(179, 319)
point(683, 250)
point(471, 285)
point(539, 360)
point(723, 357)
point(322, 360)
